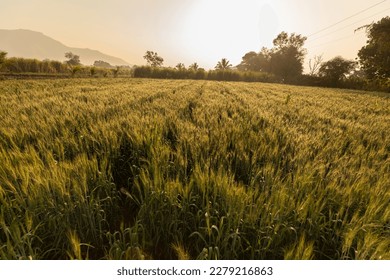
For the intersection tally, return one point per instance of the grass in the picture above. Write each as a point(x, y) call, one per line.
point(163, 169)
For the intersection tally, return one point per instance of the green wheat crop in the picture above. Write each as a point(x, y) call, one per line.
point(163, 169)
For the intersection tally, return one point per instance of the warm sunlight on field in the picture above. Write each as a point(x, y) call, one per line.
point(183, 169)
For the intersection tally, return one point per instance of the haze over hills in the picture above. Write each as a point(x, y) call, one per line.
point(32, 44)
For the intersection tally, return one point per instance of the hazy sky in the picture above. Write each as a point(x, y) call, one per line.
point(202, 31)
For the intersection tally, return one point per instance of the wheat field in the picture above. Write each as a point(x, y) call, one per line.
point(106, 168)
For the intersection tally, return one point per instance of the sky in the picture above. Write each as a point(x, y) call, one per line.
point(202, 31)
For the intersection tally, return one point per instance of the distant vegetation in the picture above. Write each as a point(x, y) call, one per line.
point(102, 64)
point(96, 168)
point(334, 71)
point(73, 59)
point(284, 60)
point(71, 67)
point(26, 65)
point(153, 59)
point(224, 64)
point(201, 74)
point(283, 63)
point(163, 169)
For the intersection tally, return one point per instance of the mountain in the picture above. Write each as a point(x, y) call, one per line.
point(32, 44)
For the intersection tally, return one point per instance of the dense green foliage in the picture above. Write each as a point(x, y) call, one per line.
point(167, 169)
point(284, 60)
point(201, 74)
point(102, 64)
point(335, 71)
point(16, 65)
point(28, 65)
point(375, 56)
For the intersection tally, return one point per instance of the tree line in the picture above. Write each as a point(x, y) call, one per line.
point(284, 63)
point(71, 66)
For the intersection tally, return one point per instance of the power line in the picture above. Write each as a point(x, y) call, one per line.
point(329, 33)
point(333, 41)
point(326, 28)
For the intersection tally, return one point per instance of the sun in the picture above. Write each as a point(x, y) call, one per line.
point(214, 29)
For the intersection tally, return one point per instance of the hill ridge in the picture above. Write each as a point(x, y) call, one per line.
point(35, 44)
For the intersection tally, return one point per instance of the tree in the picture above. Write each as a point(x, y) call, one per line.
point(194, 66)
point(283, 41)
point(284, 60)
point(336, 70)
point(251, 61)
point(153, 59)
point(73, 59)
point(2, 57)
point(224, 64)
point(375, 56)
point(102, 64)
point(287, 55)
point(315, 64)
point(180, 67)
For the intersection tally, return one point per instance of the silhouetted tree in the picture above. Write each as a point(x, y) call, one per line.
point(73, 59)
point(314, 65)
point(180, 67)
point(153, 59)
point(287, 55)
point(251, 61)
point(284, 60)
point(3, 55)
point(264, 59)
point(194, 66)
point(224, 64)
point(336, 70)
point(102, 64)
point(375, 56)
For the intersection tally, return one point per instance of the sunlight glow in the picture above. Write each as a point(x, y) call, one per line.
point(187, 31)
point(220, 28)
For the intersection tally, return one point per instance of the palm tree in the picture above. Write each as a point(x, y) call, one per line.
point(180, 67)
point(224, 64)
point(194, 66)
